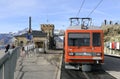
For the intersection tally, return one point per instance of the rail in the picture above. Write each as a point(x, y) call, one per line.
point(29, 47)
point(8, 63)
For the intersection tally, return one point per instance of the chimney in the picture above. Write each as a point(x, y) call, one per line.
point(105, 21)
point(30, 30)
point(110, 22)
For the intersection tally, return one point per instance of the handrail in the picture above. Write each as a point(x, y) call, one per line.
point(8, 63)
point(4, 58)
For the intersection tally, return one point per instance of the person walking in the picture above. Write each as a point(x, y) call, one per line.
point(7, 48)
point(22, 54)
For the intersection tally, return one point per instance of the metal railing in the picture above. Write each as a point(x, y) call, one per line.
point(8, 63)
point(112, 52)
point(29, 47)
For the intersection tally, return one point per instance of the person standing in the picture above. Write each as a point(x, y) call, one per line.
point(13, 46)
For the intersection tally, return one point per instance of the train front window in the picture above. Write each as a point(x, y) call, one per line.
point(79, 39)
point(96, 39)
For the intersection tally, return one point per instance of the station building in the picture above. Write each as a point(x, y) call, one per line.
point(41, 38)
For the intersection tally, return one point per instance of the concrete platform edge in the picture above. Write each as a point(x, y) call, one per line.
point(59, 69)
point(112, 55)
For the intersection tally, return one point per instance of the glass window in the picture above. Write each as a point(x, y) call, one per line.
point(79, 39)
point(96, 39)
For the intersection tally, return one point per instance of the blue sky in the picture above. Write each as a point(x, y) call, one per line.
point(14, 13)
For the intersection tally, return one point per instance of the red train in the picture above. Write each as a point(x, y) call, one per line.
point(83, 46)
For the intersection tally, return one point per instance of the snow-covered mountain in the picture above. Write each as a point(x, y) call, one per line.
point(6, 38)
point(58, 32)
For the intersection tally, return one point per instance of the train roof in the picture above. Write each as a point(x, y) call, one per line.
point(79, 28)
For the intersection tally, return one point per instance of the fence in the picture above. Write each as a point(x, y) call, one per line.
point(8, 63)
point(29, 47)
point(112, 52)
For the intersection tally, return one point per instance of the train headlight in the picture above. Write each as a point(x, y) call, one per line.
point(98, 54)
point(71, 53)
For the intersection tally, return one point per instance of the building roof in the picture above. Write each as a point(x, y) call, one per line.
point(79, 28)
point(35, 33)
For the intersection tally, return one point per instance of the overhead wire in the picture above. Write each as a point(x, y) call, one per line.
point(95, 8)
point(80, 8)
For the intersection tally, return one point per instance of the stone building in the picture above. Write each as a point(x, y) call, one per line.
point(39, 39)
point(43, 38)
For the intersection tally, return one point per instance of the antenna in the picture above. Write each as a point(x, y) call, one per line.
point(47, 19)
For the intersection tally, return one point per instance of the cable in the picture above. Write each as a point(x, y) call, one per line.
point(80, 8)
point(95, 8)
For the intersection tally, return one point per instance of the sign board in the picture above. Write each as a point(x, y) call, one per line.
point(29, 36)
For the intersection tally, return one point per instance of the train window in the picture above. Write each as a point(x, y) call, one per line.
point(79, 39)
point(96, 39)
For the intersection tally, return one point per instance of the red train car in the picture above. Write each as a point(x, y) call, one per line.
point(83, 47)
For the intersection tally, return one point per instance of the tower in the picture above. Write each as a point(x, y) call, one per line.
point(49, 29)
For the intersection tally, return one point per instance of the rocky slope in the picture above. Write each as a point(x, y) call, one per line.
point(111, 32)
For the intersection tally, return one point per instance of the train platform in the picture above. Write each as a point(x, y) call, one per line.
point(2, 52)
point(39, 66)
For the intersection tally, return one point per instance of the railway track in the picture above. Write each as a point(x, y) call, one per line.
point(104, 73)
point(78, 74)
